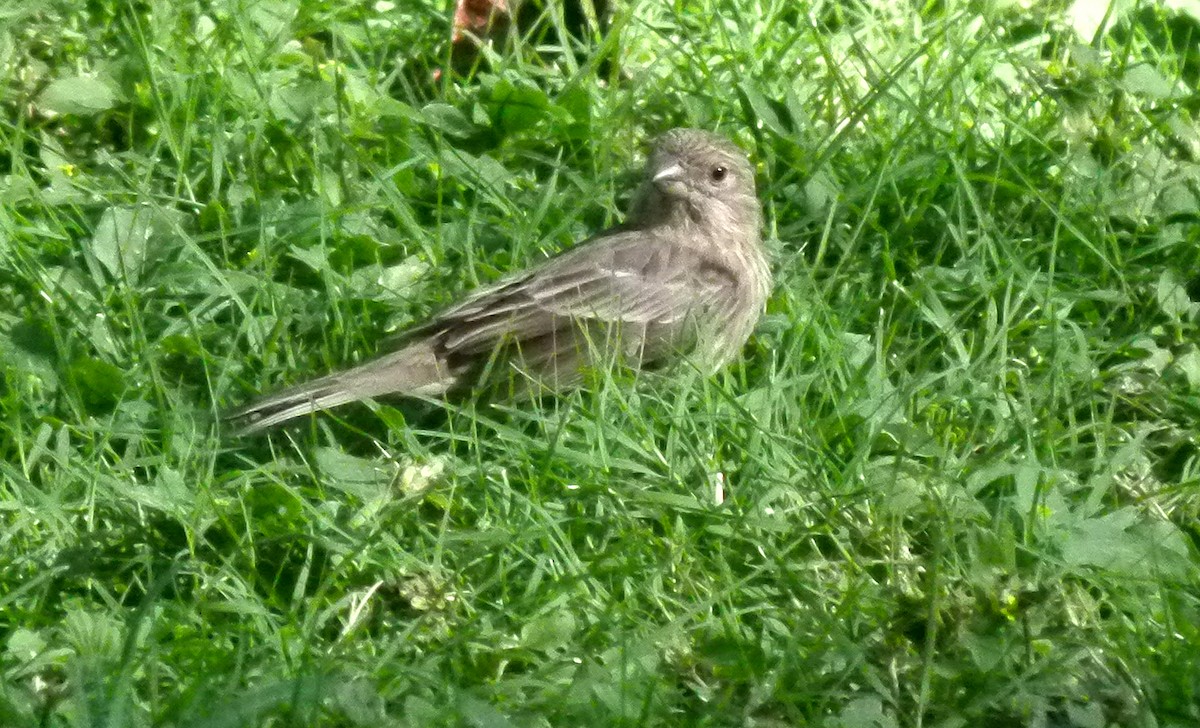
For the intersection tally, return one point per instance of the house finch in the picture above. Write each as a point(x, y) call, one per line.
point(685, 276)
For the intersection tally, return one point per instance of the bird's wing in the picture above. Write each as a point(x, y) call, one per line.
point(634, 279)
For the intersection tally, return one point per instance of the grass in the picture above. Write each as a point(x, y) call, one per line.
point(959, 458)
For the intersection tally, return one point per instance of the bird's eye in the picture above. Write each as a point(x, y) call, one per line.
point(718, 173)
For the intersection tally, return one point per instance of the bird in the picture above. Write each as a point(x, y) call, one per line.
point(686, 276)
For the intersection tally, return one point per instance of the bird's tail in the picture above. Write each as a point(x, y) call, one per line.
point(414, 370)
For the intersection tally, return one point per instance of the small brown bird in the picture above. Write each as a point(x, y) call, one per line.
point(685, 276)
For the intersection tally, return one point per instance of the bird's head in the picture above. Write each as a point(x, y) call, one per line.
point(695, 177)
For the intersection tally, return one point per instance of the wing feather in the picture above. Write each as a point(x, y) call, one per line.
point(634, 280)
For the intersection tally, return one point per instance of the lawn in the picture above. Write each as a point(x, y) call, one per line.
point(953, 479)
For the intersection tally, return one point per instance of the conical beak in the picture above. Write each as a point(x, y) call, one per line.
point(669, 179)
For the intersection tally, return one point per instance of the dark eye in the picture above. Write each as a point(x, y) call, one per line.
point(718, 173)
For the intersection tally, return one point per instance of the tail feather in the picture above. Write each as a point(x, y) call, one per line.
point(414, 370)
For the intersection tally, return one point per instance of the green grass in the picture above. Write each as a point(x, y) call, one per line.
point(960, 457)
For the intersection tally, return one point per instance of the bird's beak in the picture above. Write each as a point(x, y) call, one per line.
point(669, 179)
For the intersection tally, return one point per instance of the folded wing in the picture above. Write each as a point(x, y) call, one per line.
point(636, 295)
